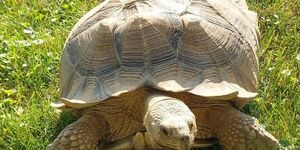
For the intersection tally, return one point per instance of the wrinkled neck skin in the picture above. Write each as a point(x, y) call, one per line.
point(169, 122)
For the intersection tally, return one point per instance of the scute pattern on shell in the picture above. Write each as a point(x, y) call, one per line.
point(205, 47)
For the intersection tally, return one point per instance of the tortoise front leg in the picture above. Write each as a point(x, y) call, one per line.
point(238, 131)
point(83, 134)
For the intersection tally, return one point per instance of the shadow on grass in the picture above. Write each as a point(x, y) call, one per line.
point(64, 120)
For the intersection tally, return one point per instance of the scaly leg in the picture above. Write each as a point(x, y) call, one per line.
point(83, 134)
point(238, 131)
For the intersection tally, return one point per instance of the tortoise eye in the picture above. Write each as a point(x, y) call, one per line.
point(164, 130)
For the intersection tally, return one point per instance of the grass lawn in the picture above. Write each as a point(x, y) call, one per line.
point(32, 34)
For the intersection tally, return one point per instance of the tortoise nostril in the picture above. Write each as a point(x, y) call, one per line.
point(185, 138)
point(191, 125)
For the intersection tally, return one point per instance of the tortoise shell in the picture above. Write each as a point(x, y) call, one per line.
point(204, 47)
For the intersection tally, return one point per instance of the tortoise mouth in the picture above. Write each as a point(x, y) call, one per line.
point(176, 146)
point(173, 147)
point(198, 143)
point(165, 147)
point(201, 143)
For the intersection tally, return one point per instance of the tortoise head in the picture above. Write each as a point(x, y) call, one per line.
point(171, 124)
point(176, 132)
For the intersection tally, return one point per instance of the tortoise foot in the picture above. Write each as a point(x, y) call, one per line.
point(238, 131)
point(83, 134)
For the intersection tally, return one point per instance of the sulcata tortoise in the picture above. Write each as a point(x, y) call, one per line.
point(162, 74)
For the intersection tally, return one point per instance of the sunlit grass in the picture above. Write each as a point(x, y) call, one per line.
point(32, 34)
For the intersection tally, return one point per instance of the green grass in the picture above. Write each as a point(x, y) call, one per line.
point(32, 34)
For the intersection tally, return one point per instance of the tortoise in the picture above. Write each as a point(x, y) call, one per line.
point(162, 74)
